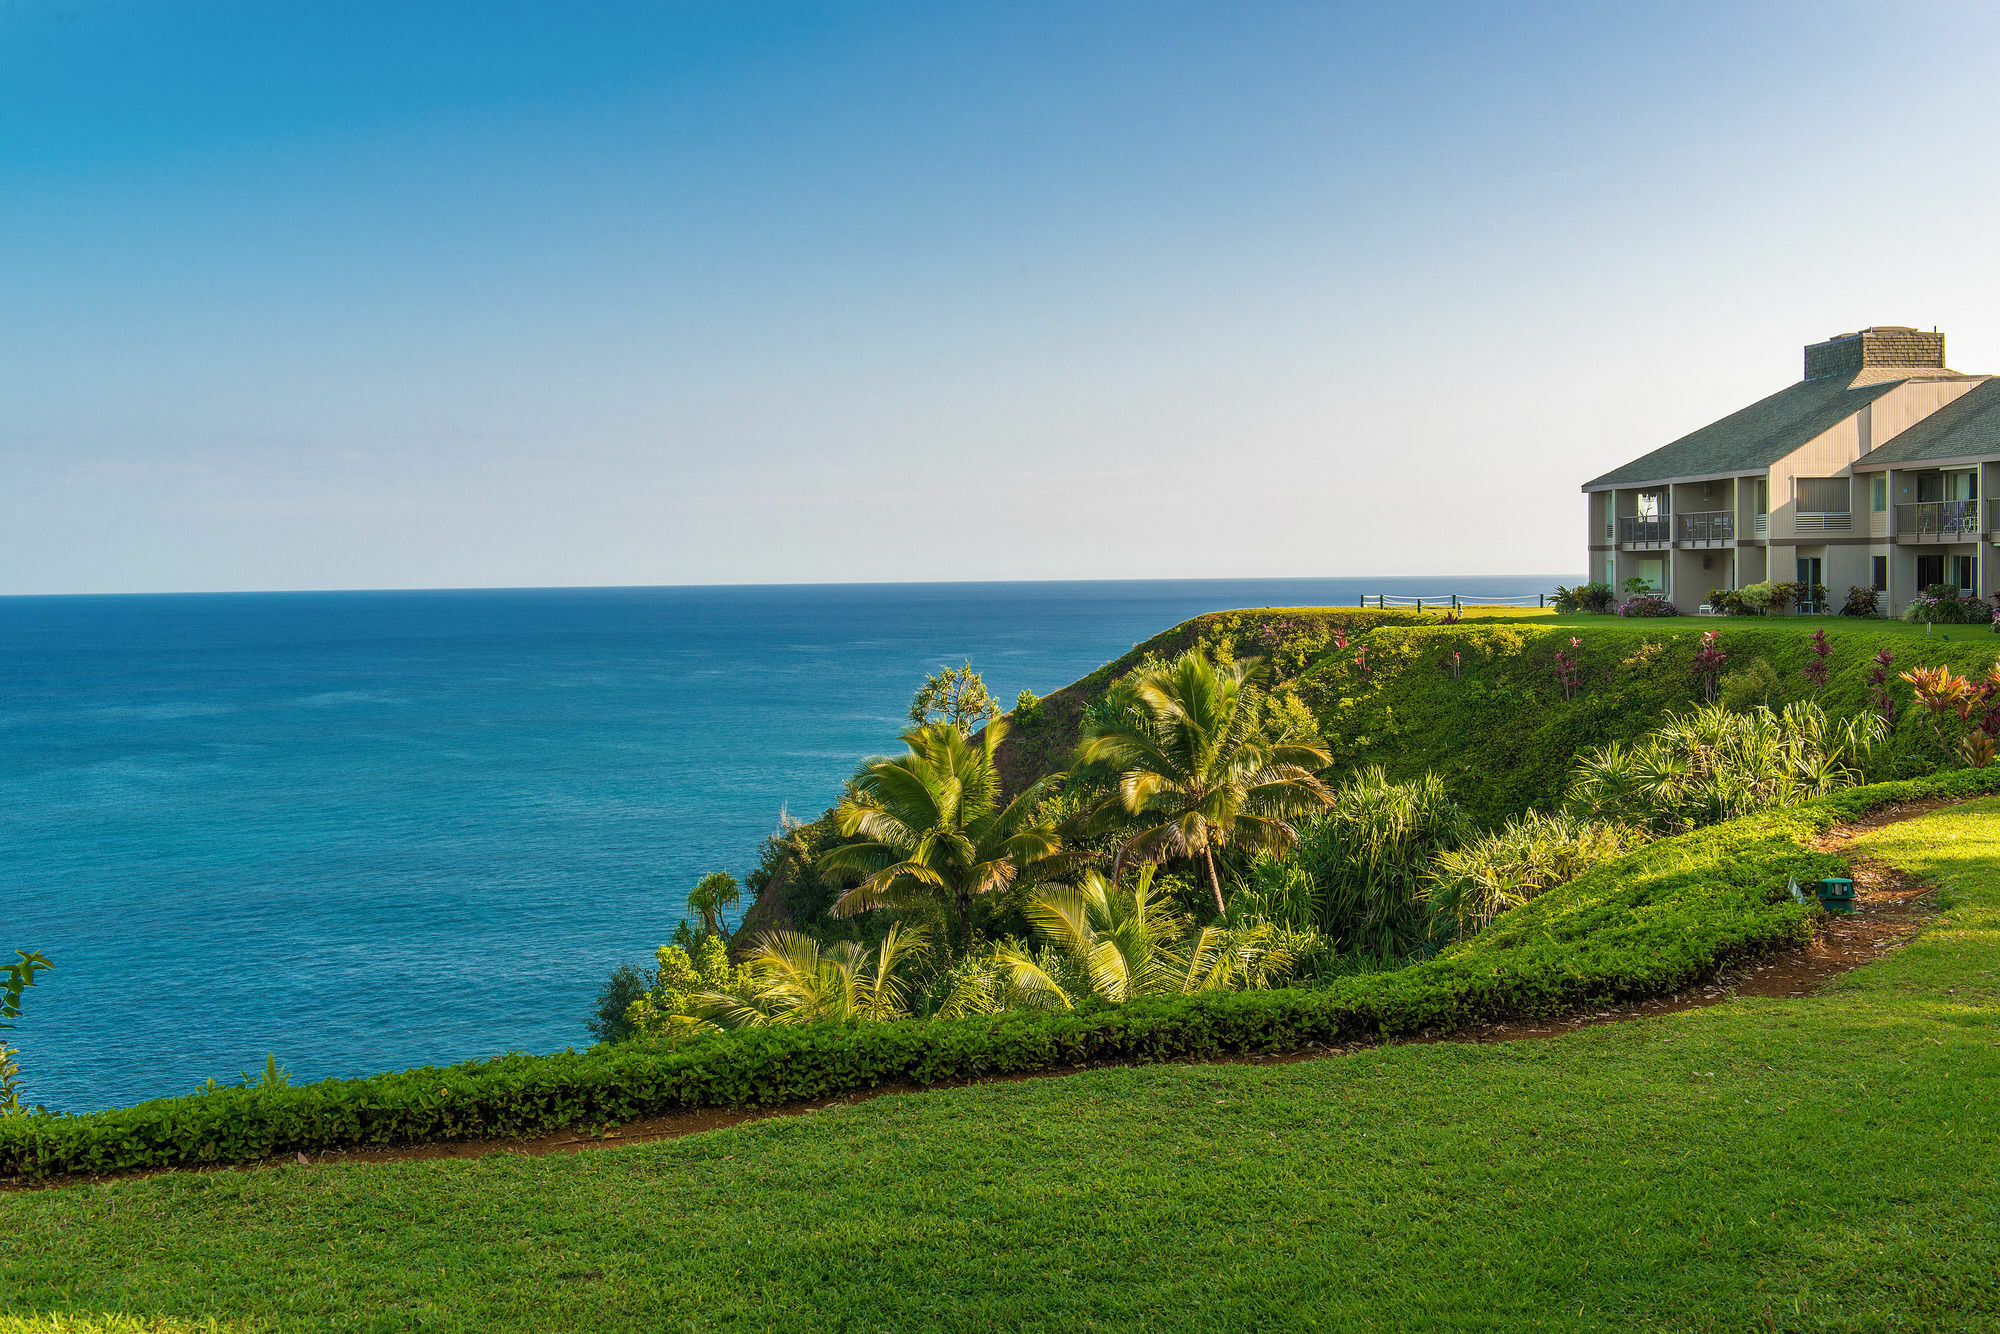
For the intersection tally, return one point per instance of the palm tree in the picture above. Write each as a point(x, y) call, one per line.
point(709, 897)
point(792, 980)
point(1117, 944)
point(934, 829)
point(1195, 766)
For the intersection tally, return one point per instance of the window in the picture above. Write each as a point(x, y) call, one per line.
point(1930, 570)
point(1822, 495)
point(1881, 574)
point(1961, 486)
point(1964, 572)
point(1878, 495)
point(1930, 486)
point(1651, 505)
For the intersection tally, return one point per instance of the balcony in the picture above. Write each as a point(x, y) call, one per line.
point(1707, 528)
point(1938, 521)
point(1642, 534)
point(1821, 521)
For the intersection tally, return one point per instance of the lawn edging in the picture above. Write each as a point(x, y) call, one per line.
point(1652, 922)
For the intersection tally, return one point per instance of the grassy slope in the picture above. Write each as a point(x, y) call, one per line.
point(1828, 1163)
point(1501, 733)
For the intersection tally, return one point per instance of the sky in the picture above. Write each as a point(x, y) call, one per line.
point(456, 295)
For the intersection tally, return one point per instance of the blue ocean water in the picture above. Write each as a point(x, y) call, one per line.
point(366, 831)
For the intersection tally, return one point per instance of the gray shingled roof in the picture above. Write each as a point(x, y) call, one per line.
point(1754, 438)
point(1968, 425)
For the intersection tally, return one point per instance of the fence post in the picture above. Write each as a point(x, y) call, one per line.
point(1541, 599)
point(1382, 602)
point(1454, 602)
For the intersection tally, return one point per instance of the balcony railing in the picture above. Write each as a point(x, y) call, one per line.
point(1939, 521)
point(1706, 528)
point(1760, 526)
point(1820, 521)
point(1993, 517)
point(1635, 531)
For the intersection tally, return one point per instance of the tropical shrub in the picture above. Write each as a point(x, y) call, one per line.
point(1748, 686)
point(1471, 885)
point(610, 1021)
point(1369, 861)
point(1941, 604)
point(1027, 706)
point(1597, 599)
point(1119, 943)
point(711, 895)
point(1757, 598)
point(1649, 923)
point(15, 979)
point(1711, 764)
point(1195, 760)
point(1648, 604)
point(787, 978)
point(1861, 602)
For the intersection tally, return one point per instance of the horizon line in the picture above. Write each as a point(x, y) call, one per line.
point(759, 584)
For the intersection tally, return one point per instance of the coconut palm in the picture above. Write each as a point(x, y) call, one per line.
point(1119, 943)
point(1194, 766)
point(934, 830)
point(791, 979)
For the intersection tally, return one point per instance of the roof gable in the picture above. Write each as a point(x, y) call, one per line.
point(1753, 438)
point(1968, 425)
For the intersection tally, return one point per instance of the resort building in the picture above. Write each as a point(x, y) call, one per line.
point(1869, 471)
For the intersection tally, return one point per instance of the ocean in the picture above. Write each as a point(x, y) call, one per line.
point(369, 831)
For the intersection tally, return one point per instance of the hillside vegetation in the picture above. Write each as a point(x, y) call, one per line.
point(1821, 1163)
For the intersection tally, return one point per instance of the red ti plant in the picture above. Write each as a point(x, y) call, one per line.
point(1340, 638)
point(1568, 675)
point(1361, 660)
point(1455, 663)
point(1708, 664)
point(1879, 697)
point(1817, 670)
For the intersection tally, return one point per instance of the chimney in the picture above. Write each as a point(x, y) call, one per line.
point(1883, 346)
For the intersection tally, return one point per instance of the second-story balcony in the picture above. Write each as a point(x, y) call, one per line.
point(1706, 528)
point(1938, 521)
point(1638, 533)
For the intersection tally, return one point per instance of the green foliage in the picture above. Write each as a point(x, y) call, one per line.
point(1369, 858)
point(609, 1021)
point(1758, 597)
point(932, 829)
point(1027, 707)
point(1753, 684)
point(1645, 924)
point(711, 895)
point(1942, 604)
point(683, 985)
point(15, 979)
point(1861, 602)
point(1472, 884)
point(1712, 764)
point(1194, 759)
point(955, 697)
point(1117, 944)
point(1596, 599)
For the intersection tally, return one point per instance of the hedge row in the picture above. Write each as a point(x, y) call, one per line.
point(1652, 922)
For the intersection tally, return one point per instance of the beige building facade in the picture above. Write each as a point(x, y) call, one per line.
point(1871, 471)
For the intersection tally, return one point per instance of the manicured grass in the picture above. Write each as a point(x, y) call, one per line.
point(1825, 1163)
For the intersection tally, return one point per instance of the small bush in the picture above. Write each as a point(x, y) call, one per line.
point(1648, 604)
point(1941, 604)
point(1597, 599)
point(1861, 602)
point(1749, 685)
point(1027, 706)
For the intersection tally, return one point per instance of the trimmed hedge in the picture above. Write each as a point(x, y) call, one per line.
point(1652, 922)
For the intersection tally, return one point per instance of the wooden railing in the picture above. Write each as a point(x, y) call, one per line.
point(1822, 521)
point(1939, 520)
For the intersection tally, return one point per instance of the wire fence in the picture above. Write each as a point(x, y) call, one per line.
point(1454, 601)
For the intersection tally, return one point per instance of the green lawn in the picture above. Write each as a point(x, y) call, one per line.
point(1827, 1163)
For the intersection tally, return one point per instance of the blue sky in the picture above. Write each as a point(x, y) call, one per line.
point(449, 295)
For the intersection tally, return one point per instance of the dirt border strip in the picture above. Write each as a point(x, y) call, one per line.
point(1890, 909)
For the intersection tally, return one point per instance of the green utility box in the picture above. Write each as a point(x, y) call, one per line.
point(1836, 894)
